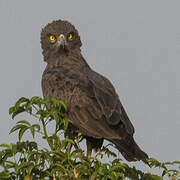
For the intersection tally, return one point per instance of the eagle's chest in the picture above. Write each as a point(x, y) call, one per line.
point(62, 84)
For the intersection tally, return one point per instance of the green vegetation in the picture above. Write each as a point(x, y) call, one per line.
point(28, 161)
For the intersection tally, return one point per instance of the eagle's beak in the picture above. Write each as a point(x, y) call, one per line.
point(61, 41)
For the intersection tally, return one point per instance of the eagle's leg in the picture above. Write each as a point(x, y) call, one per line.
point(93, 143)
point(89, 148)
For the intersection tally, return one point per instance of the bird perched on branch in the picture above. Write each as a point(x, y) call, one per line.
point(93, 104)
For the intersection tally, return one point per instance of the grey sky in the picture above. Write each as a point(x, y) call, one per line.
point(136, 44)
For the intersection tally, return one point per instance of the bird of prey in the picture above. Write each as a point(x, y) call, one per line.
point(93, 104)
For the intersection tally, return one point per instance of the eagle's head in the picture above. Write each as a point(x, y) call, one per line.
point(59, 38)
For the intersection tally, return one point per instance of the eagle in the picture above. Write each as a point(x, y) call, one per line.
point(94, 106)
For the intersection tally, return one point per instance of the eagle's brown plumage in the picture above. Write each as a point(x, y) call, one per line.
point(93, 104)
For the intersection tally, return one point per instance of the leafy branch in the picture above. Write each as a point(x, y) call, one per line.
point(26, 160)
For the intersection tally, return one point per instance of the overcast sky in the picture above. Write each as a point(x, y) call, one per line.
point(136, 44)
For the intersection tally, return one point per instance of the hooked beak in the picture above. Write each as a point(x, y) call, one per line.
point(61, 41)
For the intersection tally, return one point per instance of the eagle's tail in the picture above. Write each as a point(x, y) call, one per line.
point(129, 149)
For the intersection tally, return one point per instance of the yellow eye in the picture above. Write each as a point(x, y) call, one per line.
point(70, 36)
point(52, 38)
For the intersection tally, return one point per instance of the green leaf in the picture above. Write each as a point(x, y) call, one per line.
point(79, 137)
point(17, 111)
point(11, 110)
point(69, 141)
point(64, 105)
point(155, 177)
point(5, 175)
point(22, 131)
point(24, 122)
point(16, 127)
point(24, 165)
point(21, 100)
point(6, 146)
point(37, 100)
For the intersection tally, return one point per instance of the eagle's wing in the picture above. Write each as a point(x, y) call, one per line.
point(109, 101)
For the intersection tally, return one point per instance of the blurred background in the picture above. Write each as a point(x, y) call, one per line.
point(135, 44)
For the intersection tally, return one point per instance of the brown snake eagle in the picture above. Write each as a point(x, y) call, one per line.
point(93, 104)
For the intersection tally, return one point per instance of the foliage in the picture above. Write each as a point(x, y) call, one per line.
point(26, 160)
